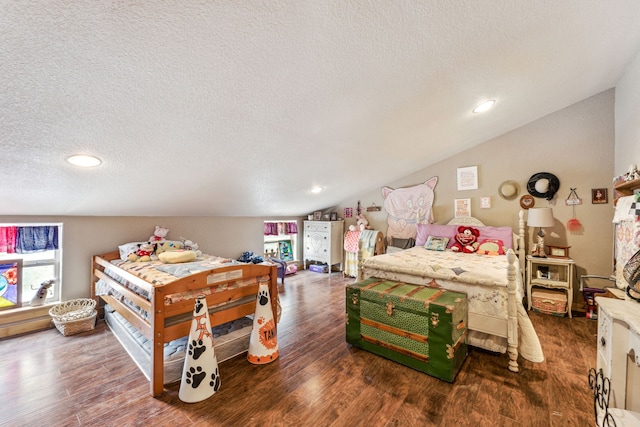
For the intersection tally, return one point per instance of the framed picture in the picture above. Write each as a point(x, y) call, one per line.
point(10, 283)
point(334, 216)
point(325, 217)
point(284, 248)
point(599, 195)
point(468, 178)
point(317, 216)
point(348, 212)
point(462, 207)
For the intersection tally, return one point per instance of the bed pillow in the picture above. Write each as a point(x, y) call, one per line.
point(449, 230)
point(128, 248)
point(175, 257)
point(426, 230)
point(436, 243)
point(497, 233)
point(491, 247)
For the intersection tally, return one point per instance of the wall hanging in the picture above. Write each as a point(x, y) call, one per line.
point(543, 185)
point(573, 200)
point(408, 207)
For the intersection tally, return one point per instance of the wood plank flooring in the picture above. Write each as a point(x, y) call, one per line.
point(319, 380)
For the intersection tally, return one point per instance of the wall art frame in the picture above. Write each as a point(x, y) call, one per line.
point(10, 284)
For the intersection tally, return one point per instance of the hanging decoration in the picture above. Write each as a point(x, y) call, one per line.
point(573, 200)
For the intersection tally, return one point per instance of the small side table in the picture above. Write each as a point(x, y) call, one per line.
point(555, 273)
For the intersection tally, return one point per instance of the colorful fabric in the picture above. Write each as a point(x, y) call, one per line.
point(36, 239)
point(351, 241)
point(8, 239)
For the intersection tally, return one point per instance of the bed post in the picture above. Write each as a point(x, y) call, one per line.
point(157, 343)
point(522, 250)
point(512, 312)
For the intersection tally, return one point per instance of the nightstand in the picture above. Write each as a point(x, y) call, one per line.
point(550, 273)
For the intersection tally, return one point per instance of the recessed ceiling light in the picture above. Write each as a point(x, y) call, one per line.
point(485, 106)
point(83, 160)
point(316, 190)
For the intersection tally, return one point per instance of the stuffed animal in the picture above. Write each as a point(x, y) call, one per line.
point(41, 294)
point(466, 240)
point(142, 253)
point(191, 246)
point(159, 234)
point(362, 222)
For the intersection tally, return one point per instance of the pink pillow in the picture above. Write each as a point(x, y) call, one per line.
point(436, 230)
point(486, 232)
point(497, 233)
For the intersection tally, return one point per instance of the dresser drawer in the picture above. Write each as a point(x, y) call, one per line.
point(317, 226)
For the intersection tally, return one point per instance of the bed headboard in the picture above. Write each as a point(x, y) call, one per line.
point(518, 238)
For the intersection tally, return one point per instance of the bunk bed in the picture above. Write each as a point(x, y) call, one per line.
point(498, 320)
point(156, 301)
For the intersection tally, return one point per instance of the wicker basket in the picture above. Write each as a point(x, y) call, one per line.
point(75, 316)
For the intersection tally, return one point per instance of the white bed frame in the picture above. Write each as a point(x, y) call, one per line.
point(492, 325)
point(506, 328)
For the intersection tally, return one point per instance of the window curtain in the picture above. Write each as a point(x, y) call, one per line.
point(36, 239)
point(276, 228)
point(8, 239)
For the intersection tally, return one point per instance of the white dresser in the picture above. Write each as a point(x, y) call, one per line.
point(323, 242)
point(619, 350)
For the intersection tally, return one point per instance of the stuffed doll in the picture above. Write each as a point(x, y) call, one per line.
point(362, 222)
point(41, 295)
point(466, 240)
point(159, 234)
point(142, 253)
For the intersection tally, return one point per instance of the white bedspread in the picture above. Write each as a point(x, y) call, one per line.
point(482, 277)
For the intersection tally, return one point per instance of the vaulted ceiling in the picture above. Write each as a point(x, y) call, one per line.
point(238, 108)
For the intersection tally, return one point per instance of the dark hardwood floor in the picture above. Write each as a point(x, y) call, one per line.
point(319, 380)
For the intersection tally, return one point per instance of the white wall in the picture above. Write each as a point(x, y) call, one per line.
point(627, 111)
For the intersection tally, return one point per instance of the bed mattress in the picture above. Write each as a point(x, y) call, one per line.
point(230, 339)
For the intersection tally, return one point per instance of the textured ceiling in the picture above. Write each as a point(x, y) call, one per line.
point(237, 108)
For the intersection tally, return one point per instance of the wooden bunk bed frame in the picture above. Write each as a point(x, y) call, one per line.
point(158, 329)
point(506, 328)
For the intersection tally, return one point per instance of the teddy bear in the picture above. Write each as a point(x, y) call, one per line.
point(142, 253)
point(466, 240)
point(362, 222)
point(159, 234)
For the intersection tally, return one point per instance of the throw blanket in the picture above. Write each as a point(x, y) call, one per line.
point(368, 239)
point(351, 239)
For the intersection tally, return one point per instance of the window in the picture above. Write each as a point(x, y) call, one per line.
point(280, 239)
point(38, 264)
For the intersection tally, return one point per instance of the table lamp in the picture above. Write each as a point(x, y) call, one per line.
point(540, 217)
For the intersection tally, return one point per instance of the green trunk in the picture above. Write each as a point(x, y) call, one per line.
point(421, 327)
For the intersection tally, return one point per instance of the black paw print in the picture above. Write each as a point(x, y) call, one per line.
point(215, 380)
point(198, 306)
point(263, 297)
point(196, 348)
point(195, 376)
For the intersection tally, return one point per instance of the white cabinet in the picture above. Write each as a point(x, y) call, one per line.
point(619, 350)
point(323, 242)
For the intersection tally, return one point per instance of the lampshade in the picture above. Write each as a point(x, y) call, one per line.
point(540, 217)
